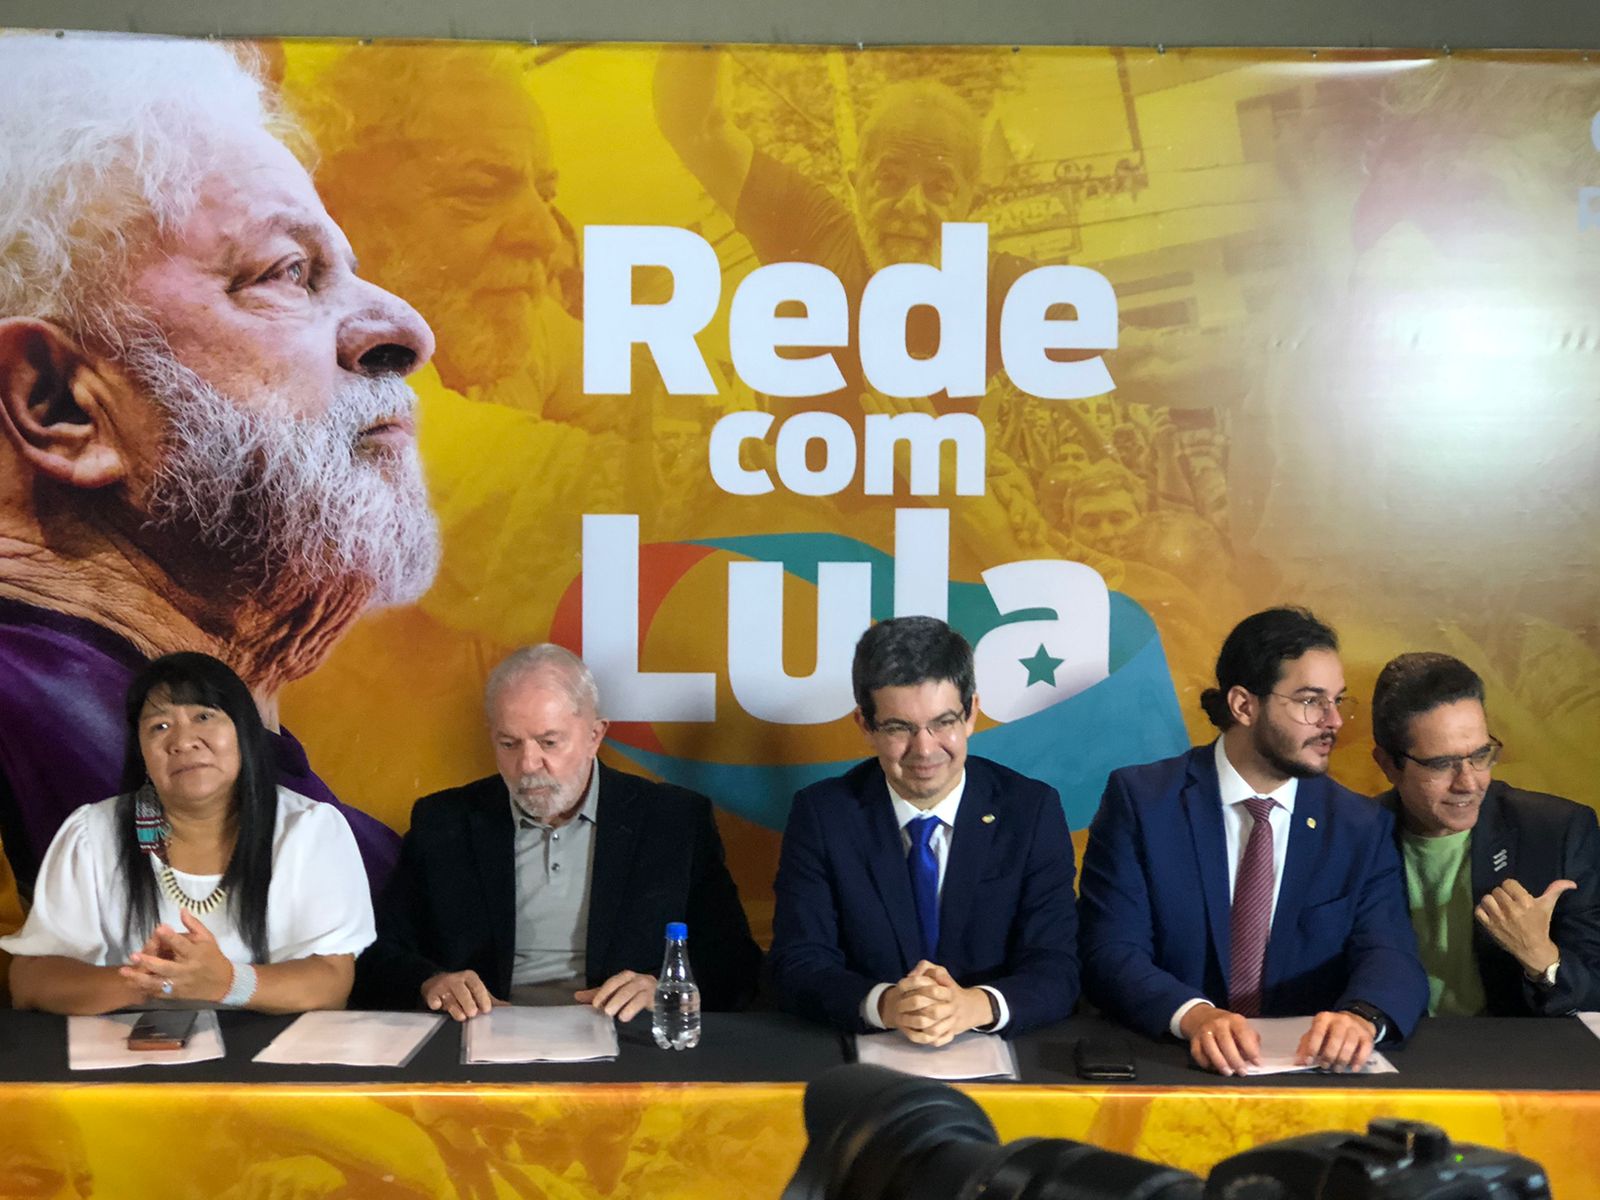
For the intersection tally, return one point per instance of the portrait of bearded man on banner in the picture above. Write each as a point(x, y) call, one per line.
point(206, 440)
point(464, 154)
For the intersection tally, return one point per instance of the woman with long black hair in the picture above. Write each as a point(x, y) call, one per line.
point(203, 883)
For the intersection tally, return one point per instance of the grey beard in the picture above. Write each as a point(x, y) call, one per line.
point(283, 496)
point(555, 802)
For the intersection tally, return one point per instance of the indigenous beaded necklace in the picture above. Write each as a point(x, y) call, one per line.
point(152, 831)
point(175, 893)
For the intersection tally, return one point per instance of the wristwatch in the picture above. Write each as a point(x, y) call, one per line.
point(1369, 1012)
point(1545, 978)
point(994, 1008)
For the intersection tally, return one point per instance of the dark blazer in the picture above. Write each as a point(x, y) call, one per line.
point(846, 920)
point(657, 858)
point(1536, 839)
point(1156, 909)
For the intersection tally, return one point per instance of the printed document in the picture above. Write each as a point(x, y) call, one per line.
point(513, 1034)
point(353, 1039)
point(966, 1056)
point(101, 1043)
point(1280, 1038)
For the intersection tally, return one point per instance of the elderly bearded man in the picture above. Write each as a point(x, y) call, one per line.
point(207, 443)
point(553, 881)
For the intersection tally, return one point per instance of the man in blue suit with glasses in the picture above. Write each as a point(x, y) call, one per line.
point(925, 890)
point(1237, 881)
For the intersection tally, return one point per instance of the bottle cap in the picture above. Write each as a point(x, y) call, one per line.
point(677, 931)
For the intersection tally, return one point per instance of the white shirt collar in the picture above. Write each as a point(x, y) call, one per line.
point(905, 812)
point(1235, 790)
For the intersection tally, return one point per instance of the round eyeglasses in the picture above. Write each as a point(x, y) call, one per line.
point(1317, 710)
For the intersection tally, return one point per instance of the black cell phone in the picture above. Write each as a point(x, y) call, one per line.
point(166, 1029)
point(1104, 1058)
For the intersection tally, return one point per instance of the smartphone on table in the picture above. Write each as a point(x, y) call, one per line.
point(165, 1029)
point(1104, 1058)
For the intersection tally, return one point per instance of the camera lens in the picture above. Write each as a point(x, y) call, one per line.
point(876, 1134)
point(879, 1135)
point(1048, 1169)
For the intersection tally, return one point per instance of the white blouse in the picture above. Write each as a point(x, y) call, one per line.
point(318, 901)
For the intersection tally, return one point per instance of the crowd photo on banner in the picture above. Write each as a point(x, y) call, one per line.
point(967, 531)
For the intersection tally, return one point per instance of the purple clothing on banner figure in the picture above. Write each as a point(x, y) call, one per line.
point(62, 736)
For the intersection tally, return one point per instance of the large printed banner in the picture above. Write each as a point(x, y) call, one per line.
point(734, 351)
point(672, 1142)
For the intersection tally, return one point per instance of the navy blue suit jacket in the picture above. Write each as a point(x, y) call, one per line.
point(846, 921)
point(1155, 904)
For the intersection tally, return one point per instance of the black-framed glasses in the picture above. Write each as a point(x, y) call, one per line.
point(1315, 710)
point(1446, 765)
point(941, 728)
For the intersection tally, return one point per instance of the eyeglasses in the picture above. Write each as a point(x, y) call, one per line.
point(1446, 765)
point(942, 728)
point(1315, 710)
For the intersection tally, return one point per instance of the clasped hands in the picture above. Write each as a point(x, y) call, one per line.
point(189, 960)
point(1224, 1042)
point(462, 994)
point(930, 1007)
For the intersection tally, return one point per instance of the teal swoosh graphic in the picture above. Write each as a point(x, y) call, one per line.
point(1131, 716)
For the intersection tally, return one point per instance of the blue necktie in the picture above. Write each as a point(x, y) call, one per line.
point(925, 882)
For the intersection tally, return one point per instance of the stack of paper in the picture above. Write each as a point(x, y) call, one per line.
point(355, 1039)
point(101, 1043)
point(966, 1056)
point(566, 1033)
point(1280, 1042)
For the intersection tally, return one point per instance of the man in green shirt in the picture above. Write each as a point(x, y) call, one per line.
point(1503, 884)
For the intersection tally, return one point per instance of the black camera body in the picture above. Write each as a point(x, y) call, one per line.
point(876, 1134)
point(1393, 1160)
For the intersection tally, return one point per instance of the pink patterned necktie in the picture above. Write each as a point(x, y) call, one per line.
point(1252, 912)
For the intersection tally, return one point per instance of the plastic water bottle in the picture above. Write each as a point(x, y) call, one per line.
point(675, 1023)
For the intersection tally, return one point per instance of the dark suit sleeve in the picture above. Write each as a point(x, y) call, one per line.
point(1117, 932)
point(725, 958)
point(807, 963)
point(1041, 980)
point(1575, 925)
point(390, 972)
point(1382, 947)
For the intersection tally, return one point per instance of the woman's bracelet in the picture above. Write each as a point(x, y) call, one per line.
point(243, 986)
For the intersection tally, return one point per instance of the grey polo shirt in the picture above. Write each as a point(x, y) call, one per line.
point(553, 869)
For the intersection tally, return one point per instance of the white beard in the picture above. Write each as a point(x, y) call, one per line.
point(280, 493)
point(551, 797)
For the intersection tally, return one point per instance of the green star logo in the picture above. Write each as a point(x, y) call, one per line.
point(1041, 666)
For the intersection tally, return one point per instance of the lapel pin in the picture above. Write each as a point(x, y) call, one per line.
point(1311, 822)
point(988, 818)
point(1500, 860)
